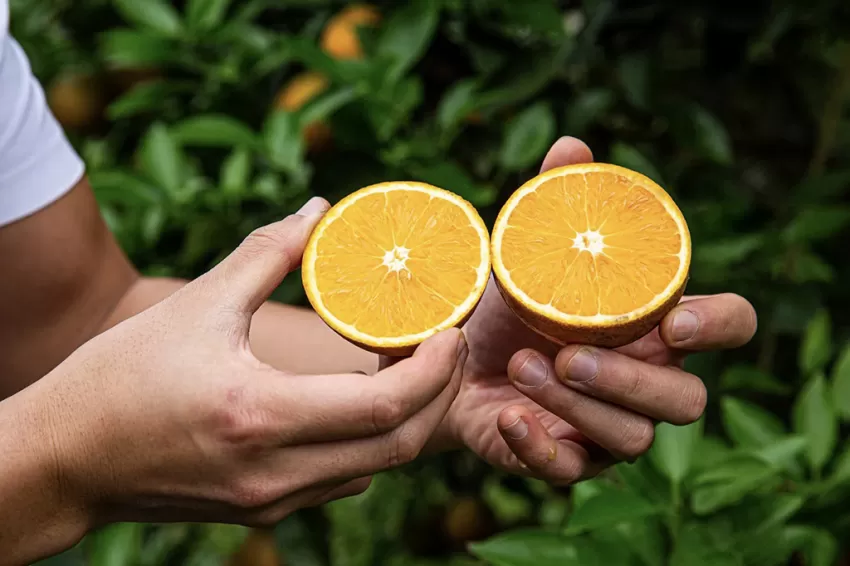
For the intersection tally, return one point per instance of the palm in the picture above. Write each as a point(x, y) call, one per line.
point(495, 334)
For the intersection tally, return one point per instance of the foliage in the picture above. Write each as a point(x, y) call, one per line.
point(738, 109)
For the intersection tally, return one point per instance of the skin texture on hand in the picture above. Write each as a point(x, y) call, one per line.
point(169, 416)
point(564, 414)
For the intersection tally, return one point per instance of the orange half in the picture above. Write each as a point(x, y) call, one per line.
point(591, 253)
point(394, 263)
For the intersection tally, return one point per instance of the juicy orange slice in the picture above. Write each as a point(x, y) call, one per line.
point(394, 263)
point(591, 253)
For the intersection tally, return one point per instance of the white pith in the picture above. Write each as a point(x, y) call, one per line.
point(395, 260)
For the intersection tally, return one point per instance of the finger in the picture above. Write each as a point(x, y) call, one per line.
point(566, 151)
point(719, 321)
point(660, 392)
point(325, 408)
point(621, 432)
point(354, 487)
point(246, 277)
point(359, 457)
point(558, 462)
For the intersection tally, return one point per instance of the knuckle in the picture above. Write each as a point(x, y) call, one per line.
point(388, 413)
point(249, 493)
point(638, 438)
point(694, 401)
point(267, 239)
point(404, 447)
point(636, 383)
point(236, 424)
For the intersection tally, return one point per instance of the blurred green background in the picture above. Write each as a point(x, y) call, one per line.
point(203, 119)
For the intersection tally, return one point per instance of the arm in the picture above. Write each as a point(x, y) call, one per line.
point(70, 281)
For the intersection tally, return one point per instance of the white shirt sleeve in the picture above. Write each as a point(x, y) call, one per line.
point(37, 163)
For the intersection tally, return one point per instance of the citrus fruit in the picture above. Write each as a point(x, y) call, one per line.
point(340, 38)
point(77, 101)
point(591, 253)
point(394, 263)
point(300, 90)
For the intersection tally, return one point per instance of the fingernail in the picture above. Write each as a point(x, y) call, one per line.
point(313, 206)
point(462, 347)
point(583, 366)
point(517, 430)
point(533, 372)
point(685, 326)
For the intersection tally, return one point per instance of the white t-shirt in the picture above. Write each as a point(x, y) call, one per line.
point(37, 163)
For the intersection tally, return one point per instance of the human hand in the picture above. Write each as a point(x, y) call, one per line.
point(564, 414)
point(168, 416)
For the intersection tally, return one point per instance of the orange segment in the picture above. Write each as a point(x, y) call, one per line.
point(395, 263)
point(591, 253)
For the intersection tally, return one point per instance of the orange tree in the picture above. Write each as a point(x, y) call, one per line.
point(203, 119)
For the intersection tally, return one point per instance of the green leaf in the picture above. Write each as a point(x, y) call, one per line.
point(749, 425)
point(214, 130)
point(633, 71)
point(528, 547)
point(153, 222)
point(630, 157)
point(283, 142)
point(815, 223)
point(673, 450)
point(818, 546)
point(453, 177)
point(155, 15)
point(119, 187)
point(527, 137)
point(815, 420)
point(695, 546)
point(588, 108)
point(407, 34)
point(646, 540)
point(326, 104)
point(816, 347)
point(840, 379)
point(131, 48)
point(719, 254)
point(116, 545)
point(841, 468)
point(456, 103)
point(235, 172)
point(728, 482)
point(145, 97)
point(162, 158)
point(750, 378)
point(205, 15)
point(783, 453)
point(712, 139)
point(609, 508)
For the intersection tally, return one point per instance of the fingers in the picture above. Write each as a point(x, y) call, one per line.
point(566, 151)
point(246, 278)
point(659, 392)
point(705, 323)
point(558, 462)
point(365, 456)
point(624, 434)
point(336, 407)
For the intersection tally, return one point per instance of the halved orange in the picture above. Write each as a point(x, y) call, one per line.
point(394, 263)
point(591, 253)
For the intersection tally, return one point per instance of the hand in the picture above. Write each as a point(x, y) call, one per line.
point(565, 415)
point(170, 417)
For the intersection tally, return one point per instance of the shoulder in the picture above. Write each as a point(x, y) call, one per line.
point(38, 165)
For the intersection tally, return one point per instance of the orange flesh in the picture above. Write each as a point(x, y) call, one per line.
point(638, 259)
point(364, 279)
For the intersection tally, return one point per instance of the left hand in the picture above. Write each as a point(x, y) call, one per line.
point(564, 415)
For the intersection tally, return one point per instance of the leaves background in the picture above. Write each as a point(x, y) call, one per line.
point(739, 109)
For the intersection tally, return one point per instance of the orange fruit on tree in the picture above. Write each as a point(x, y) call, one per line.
point(77, 100)
point(258, 549)
point(340, 39)
point(591, 253)
point(394, 263)
point(300, 90)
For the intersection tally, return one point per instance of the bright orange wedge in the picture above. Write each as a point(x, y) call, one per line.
point(394, 263)
point(591, 253)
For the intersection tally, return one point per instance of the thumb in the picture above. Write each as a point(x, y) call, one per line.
point(244, 280)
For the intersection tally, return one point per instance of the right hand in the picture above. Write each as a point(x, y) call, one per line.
point(168, 416)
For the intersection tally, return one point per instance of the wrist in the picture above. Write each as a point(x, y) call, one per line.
point(50, 516)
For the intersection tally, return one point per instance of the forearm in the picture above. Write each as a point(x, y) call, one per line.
point(39, 519)
point(286, 337)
